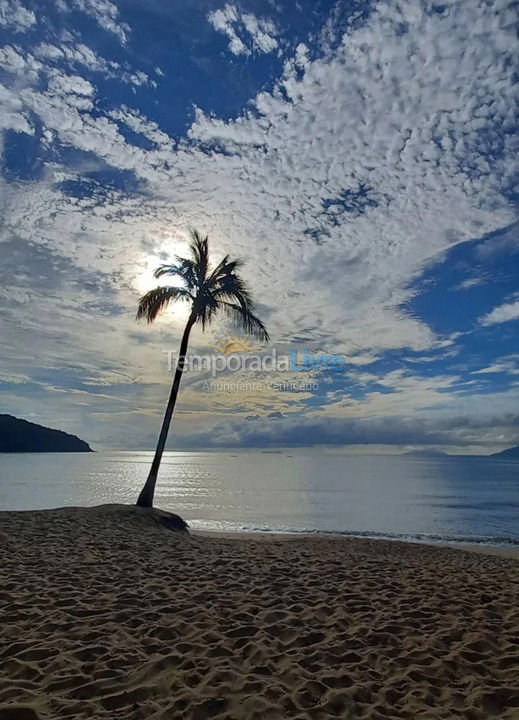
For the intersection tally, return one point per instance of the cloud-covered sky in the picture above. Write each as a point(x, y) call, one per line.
point(360, 157)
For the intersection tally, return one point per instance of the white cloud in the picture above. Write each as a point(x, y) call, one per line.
point(12, 114)
point(470, 283)
point(104, 12)
point(501, 313)
point(508, 364)
point(246, 32)
point(74, 53)
point(223, 21)
point(506, 241)
point(141, 125)
point(15, 16)
point(138, 78)
point(60, 83)
point(262, 32)
point(396, 392)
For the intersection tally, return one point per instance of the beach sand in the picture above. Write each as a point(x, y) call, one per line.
point(108, 614)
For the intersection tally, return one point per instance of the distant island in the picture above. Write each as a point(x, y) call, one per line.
point(512, 453)
point(20, 436)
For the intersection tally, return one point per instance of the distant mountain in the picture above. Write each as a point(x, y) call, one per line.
point(22, 436)
point(512, 453)
point(426, 453)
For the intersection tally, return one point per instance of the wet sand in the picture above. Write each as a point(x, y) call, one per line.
point(108, 614)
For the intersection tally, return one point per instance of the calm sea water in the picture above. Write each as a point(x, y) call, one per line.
point(432, 500)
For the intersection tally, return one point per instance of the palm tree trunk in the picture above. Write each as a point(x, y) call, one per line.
point(145, 498)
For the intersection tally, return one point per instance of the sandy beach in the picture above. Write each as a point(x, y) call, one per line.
point(108, 614)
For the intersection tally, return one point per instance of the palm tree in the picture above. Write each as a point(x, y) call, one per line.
point(207, 291)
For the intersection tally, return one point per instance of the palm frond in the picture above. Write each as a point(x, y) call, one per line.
point(246, 320)
point(225, 267)
point(205, 309)
point(185, 269)
point(208, 291)
point(156, 300)
point(166, 270)
point(232, 287)
point(199, 247)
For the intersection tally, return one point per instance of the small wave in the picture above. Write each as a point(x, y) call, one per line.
point(424, 538)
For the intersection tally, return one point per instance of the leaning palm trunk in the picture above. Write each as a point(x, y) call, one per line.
point(145, 498)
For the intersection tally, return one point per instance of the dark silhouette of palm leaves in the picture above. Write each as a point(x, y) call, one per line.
point(208, 290)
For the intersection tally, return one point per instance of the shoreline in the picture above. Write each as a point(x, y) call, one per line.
point(110, 615)
point(498, 550)
point(509, 547)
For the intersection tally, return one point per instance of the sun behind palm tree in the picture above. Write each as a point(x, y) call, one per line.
point(208, 291)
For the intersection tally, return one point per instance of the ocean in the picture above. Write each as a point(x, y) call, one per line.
point(433, 500)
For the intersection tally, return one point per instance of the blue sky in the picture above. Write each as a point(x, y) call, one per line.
point(361, 159)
